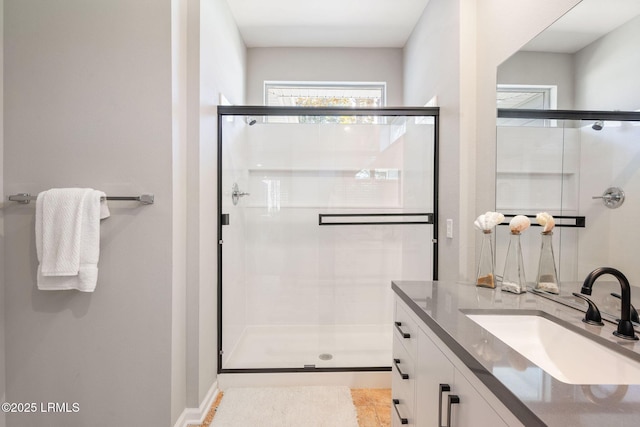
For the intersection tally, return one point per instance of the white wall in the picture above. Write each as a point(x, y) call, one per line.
point(219, 68)
point(541, 68)
point(324, 64)
point(605, 71)
point(213, 60)
point(432, 68)
point(444, 58)
point(87, 102)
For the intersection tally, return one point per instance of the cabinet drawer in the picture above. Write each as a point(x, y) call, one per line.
point(403, 383)
point(406, 329)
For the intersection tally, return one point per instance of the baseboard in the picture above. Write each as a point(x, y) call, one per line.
point(197, 415)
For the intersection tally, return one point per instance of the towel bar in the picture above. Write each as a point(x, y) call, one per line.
point(145, 199)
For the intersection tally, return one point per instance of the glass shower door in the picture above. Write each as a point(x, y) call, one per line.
point(321, 213)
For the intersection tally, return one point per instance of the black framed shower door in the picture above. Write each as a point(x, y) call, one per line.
point(319, 209)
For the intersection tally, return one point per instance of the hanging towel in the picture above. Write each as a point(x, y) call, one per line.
point(68, 237)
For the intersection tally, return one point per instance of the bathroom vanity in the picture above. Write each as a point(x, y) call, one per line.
point(450, 371)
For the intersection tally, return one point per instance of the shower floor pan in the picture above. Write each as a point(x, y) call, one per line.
point(319, 346)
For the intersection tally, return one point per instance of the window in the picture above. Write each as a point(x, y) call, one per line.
point(327, 94)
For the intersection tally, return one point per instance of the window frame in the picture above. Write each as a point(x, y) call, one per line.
point(549, 92)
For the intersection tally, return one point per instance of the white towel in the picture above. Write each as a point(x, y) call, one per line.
point(68, 238)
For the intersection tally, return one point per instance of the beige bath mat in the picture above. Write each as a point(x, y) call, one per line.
point(286, 407)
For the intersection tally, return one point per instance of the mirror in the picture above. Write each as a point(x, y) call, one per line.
point(587, 60)
point(589, 57)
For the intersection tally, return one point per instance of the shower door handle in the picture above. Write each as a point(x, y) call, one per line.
point(236, 194)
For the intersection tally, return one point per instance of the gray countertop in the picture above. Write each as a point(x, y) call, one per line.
point(534, 396)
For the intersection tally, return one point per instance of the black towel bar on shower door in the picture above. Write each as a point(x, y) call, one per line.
point(427, 220)
point(561, 220)
point(145, 199)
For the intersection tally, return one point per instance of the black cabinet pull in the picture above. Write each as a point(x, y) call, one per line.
point(404, 334)
point(396, 402)
point(453, 400)
point(402, 374)
point(444, 388)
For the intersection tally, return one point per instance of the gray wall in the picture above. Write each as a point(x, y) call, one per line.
point(324, 64)
point(179, 63)
point(118, 96)
point(217, 67)
point(606, 75)
point(88, 103)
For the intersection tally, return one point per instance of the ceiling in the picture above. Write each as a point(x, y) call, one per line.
point(326, 23)
point(584, 24)
point(389, 23)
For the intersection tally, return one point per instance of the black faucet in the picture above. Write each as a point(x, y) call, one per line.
point(634, 312)
point(625, 327)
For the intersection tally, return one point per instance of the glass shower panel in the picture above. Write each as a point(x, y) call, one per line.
point(318, 231)
point(610, 157)
point(537, 170)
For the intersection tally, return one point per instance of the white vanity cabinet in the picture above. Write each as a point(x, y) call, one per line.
point(437, 383)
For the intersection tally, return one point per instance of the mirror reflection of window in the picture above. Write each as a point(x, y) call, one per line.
point(530, 97)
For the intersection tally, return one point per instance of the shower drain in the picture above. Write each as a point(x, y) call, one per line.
point(325, 356)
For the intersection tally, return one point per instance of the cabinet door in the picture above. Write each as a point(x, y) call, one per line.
point(432, 369)
point(472, 409)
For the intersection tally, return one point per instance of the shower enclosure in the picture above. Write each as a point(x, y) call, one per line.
point(564, 163)
point(320, 209)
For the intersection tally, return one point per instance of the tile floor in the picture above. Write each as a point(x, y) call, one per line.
point(372, 405)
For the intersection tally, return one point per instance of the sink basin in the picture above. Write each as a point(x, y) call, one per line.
point(564, 354)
